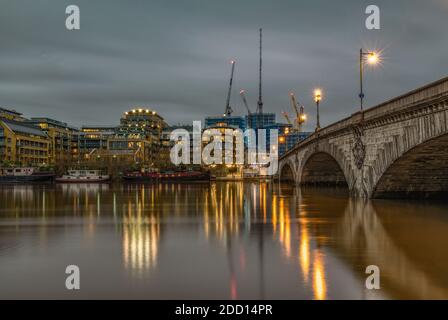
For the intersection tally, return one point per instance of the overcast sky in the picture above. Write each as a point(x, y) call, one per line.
point(173, 56)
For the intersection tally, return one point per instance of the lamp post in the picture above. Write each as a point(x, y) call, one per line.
point(372, 58)
point(302, 118)
point(317, 98)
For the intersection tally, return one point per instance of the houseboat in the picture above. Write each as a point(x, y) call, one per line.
point(84, 176)
point(181, 176)
point(17, 175)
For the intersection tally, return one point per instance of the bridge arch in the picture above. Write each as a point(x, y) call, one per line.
point(384, 141)
point(322, 168)
point(419, 172)
point(287, 172)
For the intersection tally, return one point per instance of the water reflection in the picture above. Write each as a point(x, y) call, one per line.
point(220, 240)
point(362, 231)
point(304, 252)
point(319, 280)
point(140, 244)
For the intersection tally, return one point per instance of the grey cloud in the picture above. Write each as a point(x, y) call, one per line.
point(173, 55)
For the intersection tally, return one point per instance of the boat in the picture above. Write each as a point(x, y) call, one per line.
point(25, 174)
point(83, 176)
point(181, 176)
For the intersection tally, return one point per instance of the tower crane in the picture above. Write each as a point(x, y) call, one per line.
point(243, 96)
point(260, 96)
point(294, 104)
point(300, 113)
point(229, 110)
point(286, 117)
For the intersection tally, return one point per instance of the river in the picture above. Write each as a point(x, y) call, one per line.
point(218, 240)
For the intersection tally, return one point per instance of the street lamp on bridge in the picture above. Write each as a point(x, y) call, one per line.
point(317, 99)
point(370, 57)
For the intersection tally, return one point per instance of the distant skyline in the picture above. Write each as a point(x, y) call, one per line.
point(174, 56)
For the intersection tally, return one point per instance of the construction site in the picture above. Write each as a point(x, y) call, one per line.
point(257, 118)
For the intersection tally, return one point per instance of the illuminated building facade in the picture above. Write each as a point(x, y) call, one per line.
point(133, 149)
point(230, 169)
point(146, 126)
point(136, 140)
point(91, 141)
point(260, 121)
point(23, 144)
point(10, 115)
point(167, 144)
point(287, 137)
point(61, 139)
point(142, 121)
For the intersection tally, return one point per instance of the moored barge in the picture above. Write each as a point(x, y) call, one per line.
point(186, 176)
point(83, 176)
point(24, 175)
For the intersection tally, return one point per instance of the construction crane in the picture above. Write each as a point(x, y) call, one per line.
point(243, 96)
point(294, 104)
point(260, 100)
point(300, 113)
point(287, 117)
point(228, 111)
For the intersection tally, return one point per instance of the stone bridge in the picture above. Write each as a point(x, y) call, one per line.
point(396, 149)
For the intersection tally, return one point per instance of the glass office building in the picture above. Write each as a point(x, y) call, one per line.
point(260, 120)
point(287, 137)
point(232, 121)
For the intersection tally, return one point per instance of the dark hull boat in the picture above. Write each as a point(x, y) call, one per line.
point(24, 175)
point(187, 176)
point(32, 178)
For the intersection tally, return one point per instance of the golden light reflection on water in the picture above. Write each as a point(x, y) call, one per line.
point(223, 208)
point(250, 226)
point(274, 214)
point(141, 233)
point(304, 251)
point(319, 279)
point(292, 216)
point(140, 244)
point(284, 227)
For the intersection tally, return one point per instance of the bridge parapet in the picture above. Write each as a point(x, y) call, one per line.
point(366, 145)
point(415, 98)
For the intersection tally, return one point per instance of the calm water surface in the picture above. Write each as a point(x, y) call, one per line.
point(218, 240)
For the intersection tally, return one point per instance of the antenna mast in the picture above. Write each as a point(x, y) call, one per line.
point(260, 101)
point(229, 110)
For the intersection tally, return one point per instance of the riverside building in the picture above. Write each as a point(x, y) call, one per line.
point(91, 141)
point(142, 128)
point(61, 137)
point(23, 144)
point(136, 140)
point(224, 170)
